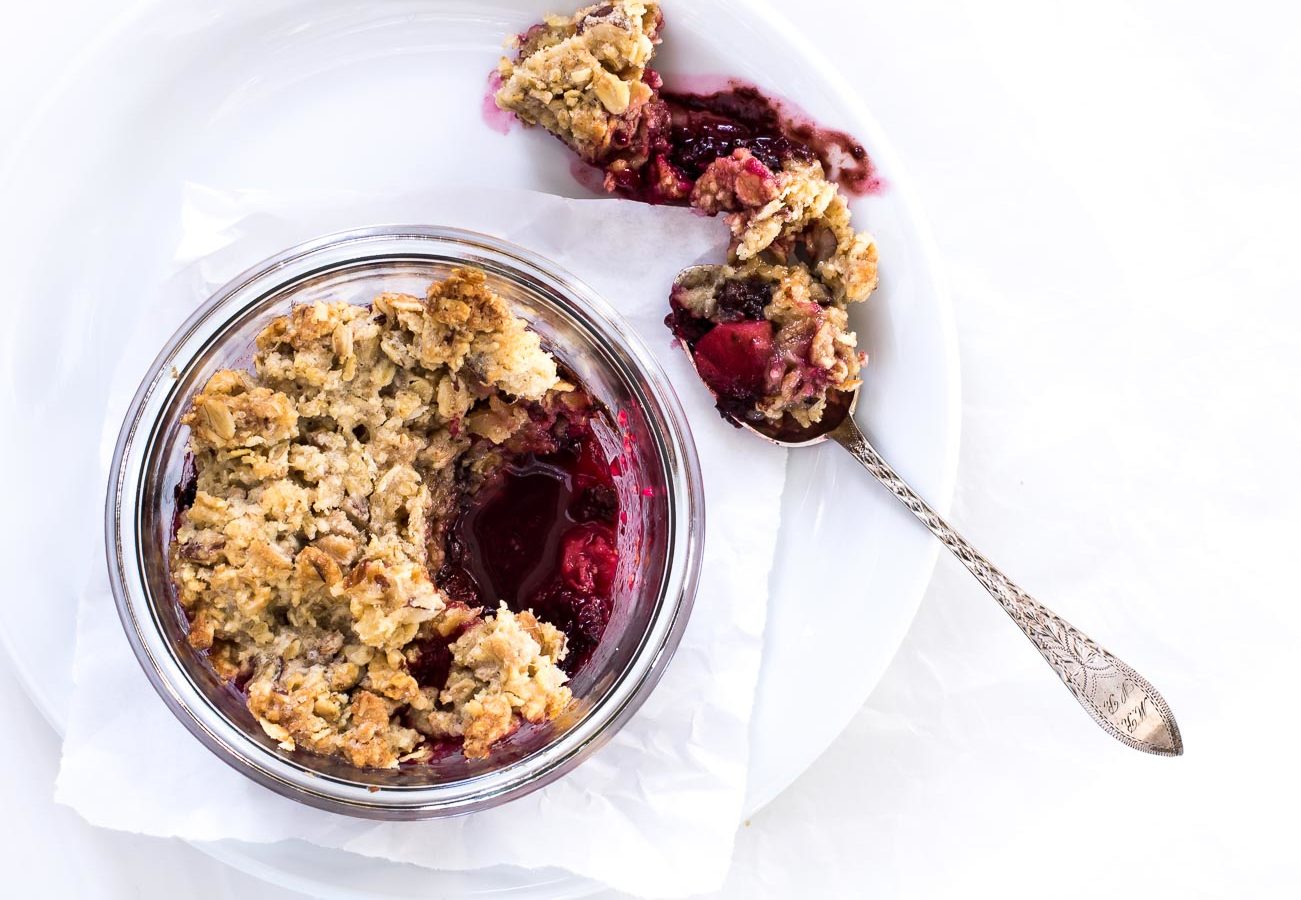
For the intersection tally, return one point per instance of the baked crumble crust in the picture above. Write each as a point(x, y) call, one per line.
point(500, 668)
point(304, 562)
point(584, 78)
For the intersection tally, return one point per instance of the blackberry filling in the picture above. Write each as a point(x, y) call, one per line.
point(540, 535)
point(742, 299)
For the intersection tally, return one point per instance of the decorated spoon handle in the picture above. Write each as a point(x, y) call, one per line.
point(1118, 698)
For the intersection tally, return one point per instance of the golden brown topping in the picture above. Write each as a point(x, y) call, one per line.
point(302, 561)
point(232, 413)
point(581, 77)
point(502, 666)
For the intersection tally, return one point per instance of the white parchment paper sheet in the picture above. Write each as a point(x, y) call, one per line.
point(653, 812)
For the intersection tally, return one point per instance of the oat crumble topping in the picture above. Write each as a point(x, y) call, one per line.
point(584, 78)
point(306, 563)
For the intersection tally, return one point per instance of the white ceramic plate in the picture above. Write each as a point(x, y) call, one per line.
point(386, 94)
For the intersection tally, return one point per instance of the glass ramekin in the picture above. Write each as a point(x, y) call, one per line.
point(660, 488)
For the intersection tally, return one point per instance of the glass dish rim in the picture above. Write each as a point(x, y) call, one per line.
point(296, 779)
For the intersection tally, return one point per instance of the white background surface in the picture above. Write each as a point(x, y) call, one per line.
point(1113, 188)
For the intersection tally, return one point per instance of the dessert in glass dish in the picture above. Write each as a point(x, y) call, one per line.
point(768, 328)
point(400, 534)
point(549, 451)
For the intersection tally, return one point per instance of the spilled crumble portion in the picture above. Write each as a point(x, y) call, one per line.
point(794, 255)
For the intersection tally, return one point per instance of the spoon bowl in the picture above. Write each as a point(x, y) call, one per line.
point(786, 432)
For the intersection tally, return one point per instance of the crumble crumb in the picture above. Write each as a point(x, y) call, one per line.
point(584, 78)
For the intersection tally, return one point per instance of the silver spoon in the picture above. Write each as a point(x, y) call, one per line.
point(1119, 699)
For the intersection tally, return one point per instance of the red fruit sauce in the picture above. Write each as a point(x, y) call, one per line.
point(496, 118)
point(701, 127)
point(540, 534)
